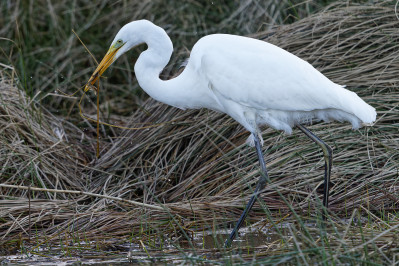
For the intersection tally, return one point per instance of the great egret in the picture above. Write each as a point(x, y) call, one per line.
point(255, 82)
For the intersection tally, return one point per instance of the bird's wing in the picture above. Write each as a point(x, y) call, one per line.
point(263, 76)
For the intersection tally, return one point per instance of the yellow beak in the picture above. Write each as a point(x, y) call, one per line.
point(104, 64)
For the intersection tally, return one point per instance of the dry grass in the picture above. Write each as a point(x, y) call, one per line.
point(37, 148)
point(199, 168)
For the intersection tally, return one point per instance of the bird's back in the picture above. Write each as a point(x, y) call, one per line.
point(279, 87)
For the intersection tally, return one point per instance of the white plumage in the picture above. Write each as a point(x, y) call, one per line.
point(252, 79)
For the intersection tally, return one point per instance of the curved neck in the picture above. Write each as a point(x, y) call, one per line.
point(150, 64)
point(181, 91)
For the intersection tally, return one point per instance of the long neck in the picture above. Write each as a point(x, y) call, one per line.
point(150, 64)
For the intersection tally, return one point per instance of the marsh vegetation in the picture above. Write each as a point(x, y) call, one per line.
point(193, 171)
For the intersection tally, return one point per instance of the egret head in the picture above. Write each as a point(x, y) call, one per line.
point(124, 40)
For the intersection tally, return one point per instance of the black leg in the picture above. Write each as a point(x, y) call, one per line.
point(328, 163)
point(261, 184)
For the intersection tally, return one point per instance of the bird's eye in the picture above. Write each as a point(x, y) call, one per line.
point(118, 43)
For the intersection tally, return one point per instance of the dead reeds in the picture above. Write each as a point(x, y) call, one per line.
point(37, 148)
point(198, 166)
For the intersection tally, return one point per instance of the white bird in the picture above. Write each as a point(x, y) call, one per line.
point(255, 82)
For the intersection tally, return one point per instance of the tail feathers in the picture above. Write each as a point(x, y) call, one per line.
point(353, 104)
point(364, 112)
point(368, 115)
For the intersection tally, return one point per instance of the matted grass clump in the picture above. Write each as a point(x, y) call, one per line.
point(36, 147)
point(194, 172)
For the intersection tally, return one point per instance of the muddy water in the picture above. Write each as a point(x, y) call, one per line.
point(206, 246)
